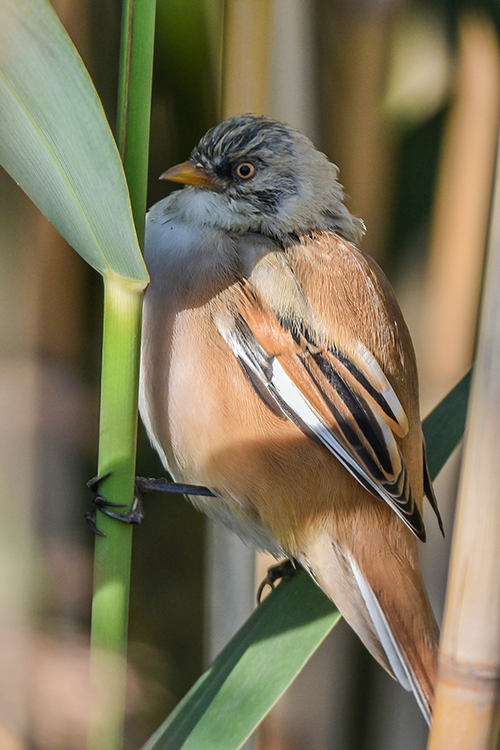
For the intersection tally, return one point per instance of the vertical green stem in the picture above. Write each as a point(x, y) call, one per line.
point(117, 447)
point(134, 100)
point(119, 392)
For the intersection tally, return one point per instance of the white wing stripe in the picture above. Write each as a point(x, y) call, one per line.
point(283, 389)
point(291, 395)
point(376, 376)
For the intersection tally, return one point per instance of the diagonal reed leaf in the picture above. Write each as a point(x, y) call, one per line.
point(233, 696)
point(56, 143)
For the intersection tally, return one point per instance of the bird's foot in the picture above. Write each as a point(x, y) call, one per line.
point(134, 515)
point(284, 569)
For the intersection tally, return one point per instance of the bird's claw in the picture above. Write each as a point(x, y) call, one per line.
point(91, 518)
point(135, 515)
point(284, 569)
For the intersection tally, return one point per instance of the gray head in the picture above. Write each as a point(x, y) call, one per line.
point(253, 174)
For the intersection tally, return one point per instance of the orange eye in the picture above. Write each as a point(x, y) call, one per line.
point(245, 170)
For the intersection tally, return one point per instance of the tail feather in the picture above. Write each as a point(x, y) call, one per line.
point(386, 604)
point(400, 665)
point(396, 658)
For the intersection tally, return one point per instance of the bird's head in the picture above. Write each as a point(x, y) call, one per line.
point(253, 174)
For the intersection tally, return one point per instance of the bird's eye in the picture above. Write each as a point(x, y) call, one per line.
point(245, 170)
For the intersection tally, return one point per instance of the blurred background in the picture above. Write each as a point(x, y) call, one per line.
point(404, 96)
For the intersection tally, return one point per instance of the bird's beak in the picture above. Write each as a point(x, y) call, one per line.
point(188, 173)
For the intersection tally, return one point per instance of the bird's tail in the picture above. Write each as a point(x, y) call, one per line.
point(383, 598)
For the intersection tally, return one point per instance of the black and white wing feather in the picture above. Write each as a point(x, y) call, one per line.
point(344, 403)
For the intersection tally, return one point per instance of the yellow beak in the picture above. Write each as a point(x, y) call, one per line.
point(188, 173)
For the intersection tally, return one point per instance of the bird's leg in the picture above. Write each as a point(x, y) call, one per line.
point(284, 569)
point(144, 485)
point(136, 513)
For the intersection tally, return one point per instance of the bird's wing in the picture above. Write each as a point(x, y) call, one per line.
point(429, 491)
point(342, 402)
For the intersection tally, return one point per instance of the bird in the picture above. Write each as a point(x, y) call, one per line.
point(277, 371)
